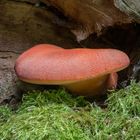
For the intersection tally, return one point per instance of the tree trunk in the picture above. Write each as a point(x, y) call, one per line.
point(91, 16)
point(24, 23)
point(130, 7)
point(22, 26)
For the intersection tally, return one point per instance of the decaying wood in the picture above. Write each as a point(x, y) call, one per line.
point(22, 26)
point(92, 15)
point(130, 7)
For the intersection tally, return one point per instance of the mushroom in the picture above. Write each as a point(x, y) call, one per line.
point(82, 71)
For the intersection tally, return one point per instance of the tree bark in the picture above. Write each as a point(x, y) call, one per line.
point(92, 16)
point(130, 7)
point(22, 26)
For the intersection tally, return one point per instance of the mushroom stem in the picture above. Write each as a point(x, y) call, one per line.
point(89, 87)
point(112, 81)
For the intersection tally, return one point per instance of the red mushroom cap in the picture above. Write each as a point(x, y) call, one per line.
point(49, 64)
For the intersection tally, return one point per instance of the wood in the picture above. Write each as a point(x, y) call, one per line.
point(92, 16)
point(21, 27)
point(130, 7)
point(23, 24)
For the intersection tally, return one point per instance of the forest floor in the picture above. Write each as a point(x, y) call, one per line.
point(56, 115)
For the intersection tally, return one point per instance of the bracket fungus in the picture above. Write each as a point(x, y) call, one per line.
point(83, 71)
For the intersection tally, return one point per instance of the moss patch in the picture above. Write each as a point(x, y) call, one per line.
point(56, 115)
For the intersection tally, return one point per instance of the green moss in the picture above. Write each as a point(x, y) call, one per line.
point(56, 115)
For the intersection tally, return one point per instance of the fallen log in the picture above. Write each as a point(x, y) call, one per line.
point(22, 26)
point(91, 16)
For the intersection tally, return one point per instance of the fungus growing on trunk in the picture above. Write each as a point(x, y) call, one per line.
point(83, 71)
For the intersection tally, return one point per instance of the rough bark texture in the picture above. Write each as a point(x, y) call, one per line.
point(22, 26)
point(130, 7)
point(92, 15)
